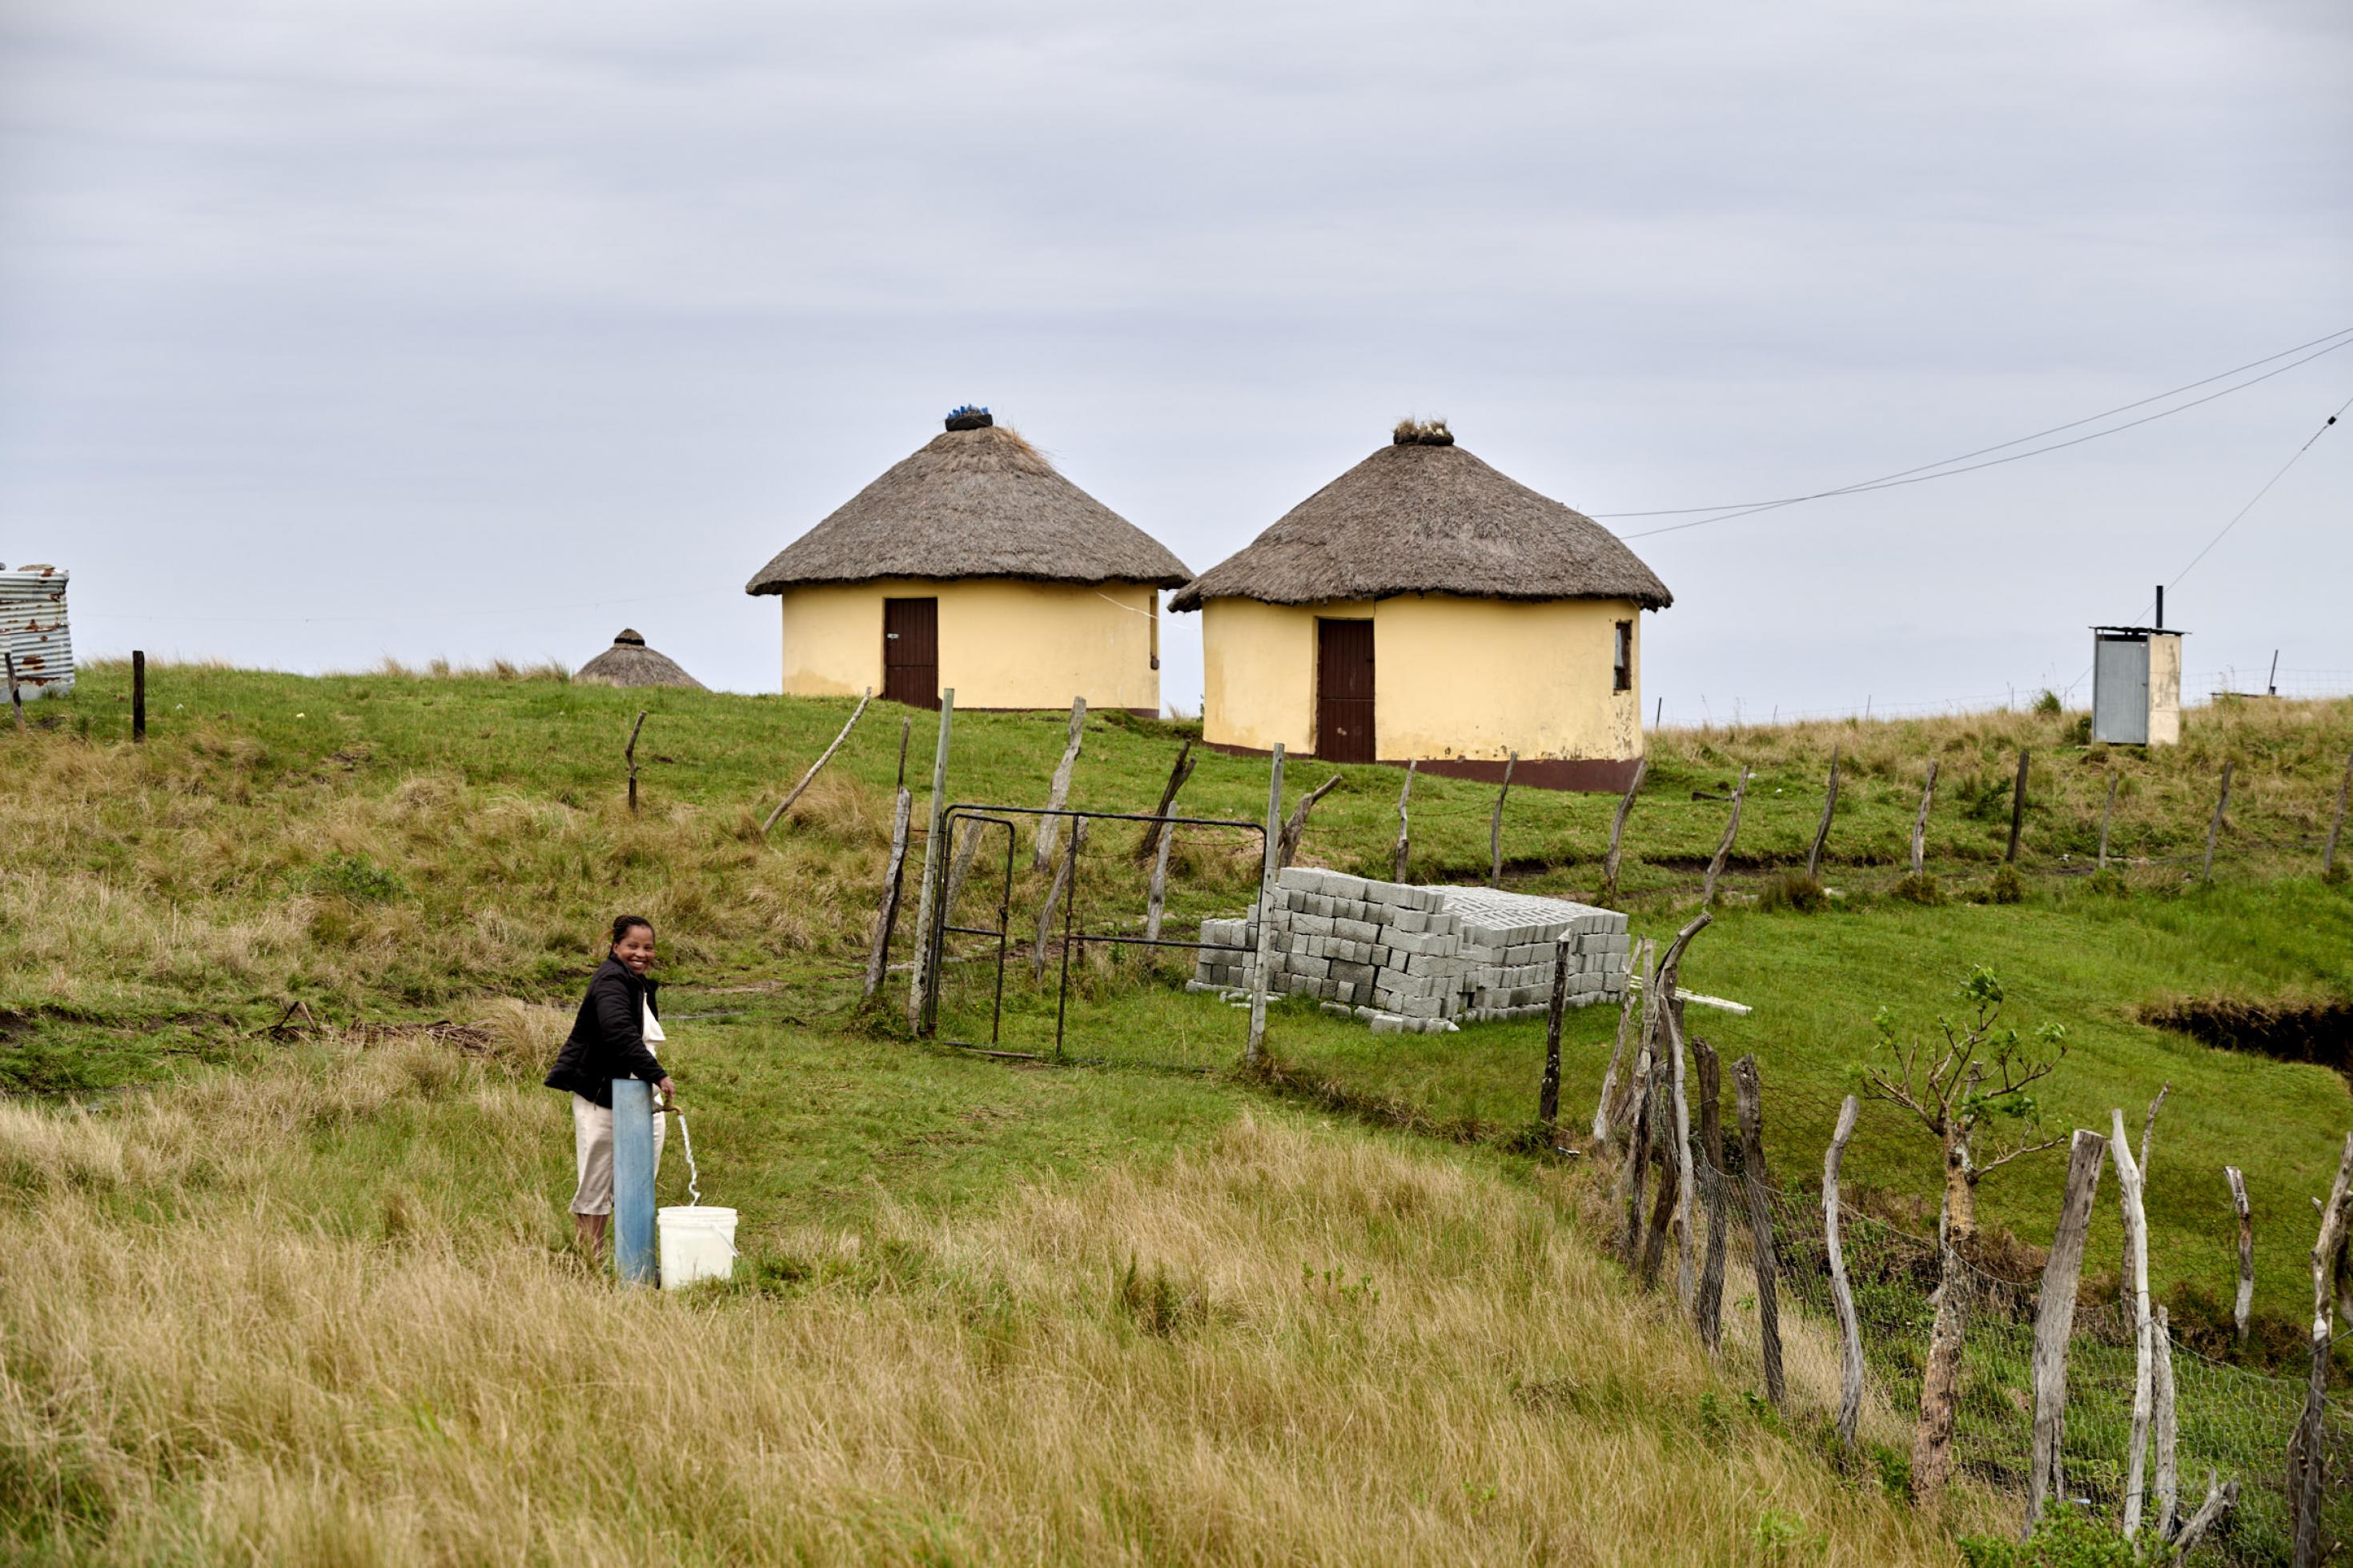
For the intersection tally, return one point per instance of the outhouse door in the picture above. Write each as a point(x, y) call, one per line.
point(910, 652)
point(2120, 690)
point(1343, 691)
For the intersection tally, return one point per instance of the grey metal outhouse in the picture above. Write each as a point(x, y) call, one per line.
point(2137, 685)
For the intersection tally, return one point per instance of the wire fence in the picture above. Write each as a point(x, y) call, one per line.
point(2231, 1423)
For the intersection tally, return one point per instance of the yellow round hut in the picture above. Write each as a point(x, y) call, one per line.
point(1424, 607)
point(972, 565)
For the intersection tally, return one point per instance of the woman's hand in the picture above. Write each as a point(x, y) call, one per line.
point(669, 1092)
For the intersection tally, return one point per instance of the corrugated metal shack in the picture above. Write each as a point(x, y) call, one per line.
point(33, 628)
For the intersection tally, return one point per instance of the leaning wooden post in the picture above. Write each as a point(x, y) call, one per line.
point(2017, 809)
point(1296, 829)
point(1841, 1294)
point(2169, 1480)
point(2106, 812)
point(895, 872)
point(630, 751)
point(967, 850)
point(1548, 1092)
point(1686, 1278)
point(1822, 833)
point(2144, 1350)
point(1255, 1051)
point(1604, 1121)
point(1155, 895)
point(1920, 823)
point(2337, 823)
point(1635, 1172)
point(786, 804)
point(1617, 832)
point(1749, 1093)
point(137, 694)
point(1663, 1209)
point(2242, 1305)
point(1050, 826)
point(1404, 794)
point(1731, 831)
point(2055, 1323)
point(1707, 1306)
point(2307, 1459)
point(1060, 887)
point(2221, 1499)
point(2214, 826)
point(1148, 846)
point(934, 862)
point(1495, 828)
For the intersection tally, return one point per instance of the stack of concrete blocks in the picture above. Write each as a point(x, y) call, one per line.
point(1409, 959)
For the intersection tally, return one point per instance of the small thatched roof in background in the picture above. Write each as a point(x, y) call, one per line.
point(629, 662)
point(1423, 516)
point(977, 500)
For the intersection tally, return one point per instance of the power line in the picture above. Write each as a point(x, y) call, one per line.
point(1946, 469)
point(2268, 483)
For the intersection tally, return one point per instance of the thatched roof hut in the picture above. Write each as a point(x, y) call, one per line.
point(1422, 607)
point(975, 500)
point(973, 566)
point(629, 662)
point(1423, 516)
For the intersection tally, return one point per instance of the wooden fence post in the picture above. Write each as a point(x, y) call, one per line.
point(2144, 1350)
point(2214, 828)
point(15, 699)
point(934, 862)
point(1666, 1098)
point(895, 872)
point(1604, 1120)
point(967, 850)
point(2221, 1499)
point(1148, 847)
point(1156, 893)
point(630, 751)
point(2242, 1305)
point(1065, 869)
point(1050, 826)
point(1731, 831)
point(2017, 808)
point(1296, 829)
point(1687, 1277)
point(786, 804)
point(1920, 823)
point(2308, 1458)
point(1635, 1172)
point(1663, 1208)
point(2337, 823)
point(1617, 832)
point(1707, 1306)
point(1495, 828)
point(137, 694)
point(1822, 833)
point(2055, 1323)
point(1404, 794)
point(1748, 1091)
point(1842, 1294)
point(1254, 1050)
point(2107, 810)
point(2168, 1481)
point(1548, 1092)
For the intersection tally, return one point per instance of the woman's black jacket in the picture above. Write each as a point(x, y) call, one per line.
point(607, 1038)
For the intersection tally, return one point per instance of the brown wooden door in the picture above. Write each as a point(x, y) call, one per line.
point(910, 652)
point(1343, 691)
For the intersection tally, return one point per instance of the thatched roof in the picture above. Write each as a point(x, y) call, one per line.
point(1423, 516)
point(629, 662)
point(977, 500)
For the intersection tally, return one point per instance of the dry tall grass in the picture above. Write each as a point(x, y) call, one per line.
point(1300, 1344)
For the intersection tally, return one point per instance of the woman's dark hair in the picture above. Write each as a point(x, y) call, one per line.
point(624, 924)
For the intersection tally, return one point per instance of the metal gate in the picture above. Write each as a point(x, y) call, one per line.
point(984, 817)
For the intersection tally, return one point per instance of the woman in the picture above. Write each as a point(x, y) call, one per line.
point(613, 1037)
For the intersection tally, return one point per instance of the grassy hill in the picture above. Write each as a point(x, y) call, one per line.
point(1158, 1313)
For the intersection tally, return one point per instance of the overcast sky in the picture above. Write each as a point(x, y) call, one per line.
point(333, 328)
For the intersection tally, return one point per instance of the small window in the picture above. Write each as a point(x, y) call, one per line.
point(1622, 675)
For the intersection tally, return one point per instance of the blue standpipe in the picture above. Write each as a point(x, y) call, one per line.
point(633, 1181)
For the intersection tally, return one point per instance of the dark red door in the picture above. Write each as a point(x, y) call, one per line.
point(1343, 691)
point(910, 652)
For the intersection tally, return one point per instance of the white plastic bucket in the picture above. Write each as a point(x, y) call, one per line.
point(698, 1242)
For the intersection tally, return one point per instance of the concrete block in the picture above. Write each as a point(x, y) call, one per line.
point(1354, 929)
point(1313, 925)
point(1354, 973)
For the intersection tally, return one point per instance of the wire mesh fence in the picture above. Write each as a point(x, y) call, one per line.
point(2231, 1423)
